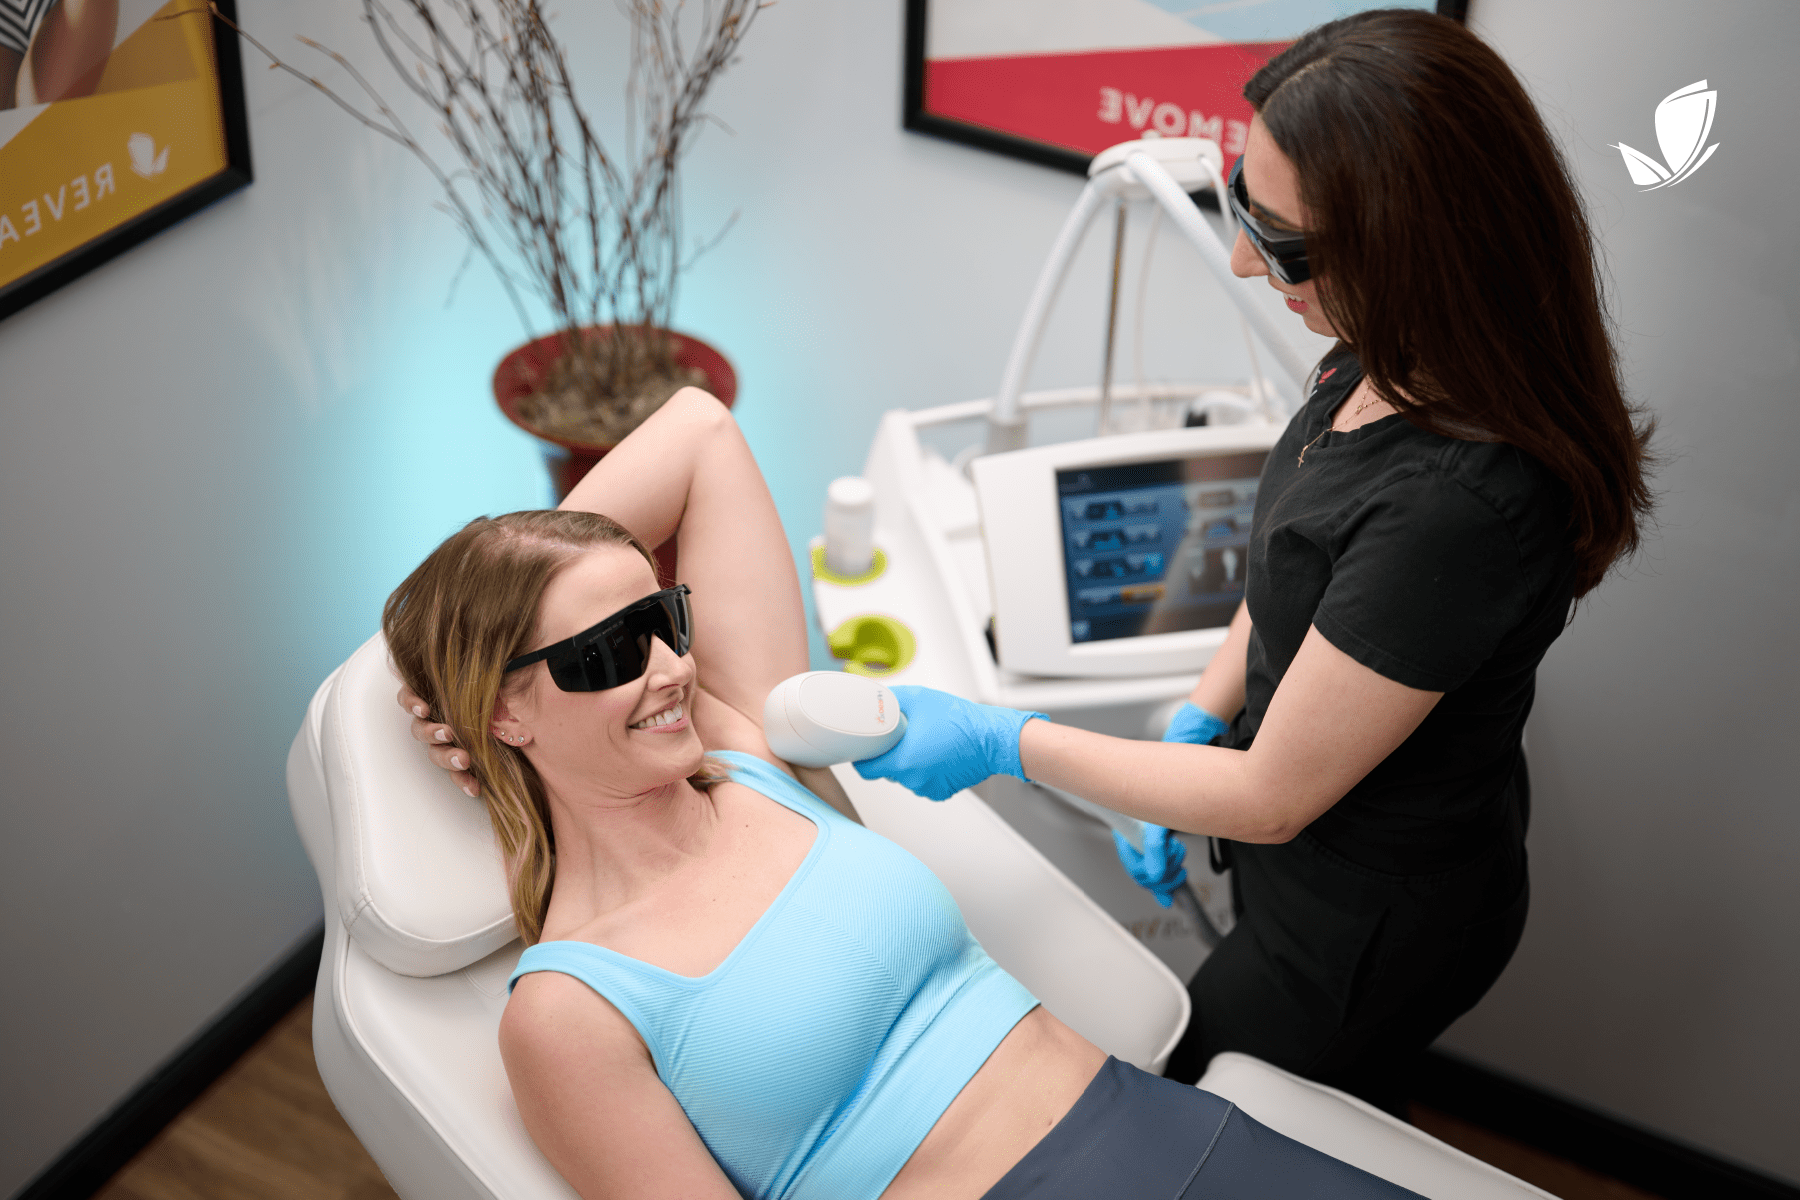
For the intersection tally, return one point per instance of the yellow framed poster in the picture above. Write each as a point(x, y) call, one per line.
point(117, 119)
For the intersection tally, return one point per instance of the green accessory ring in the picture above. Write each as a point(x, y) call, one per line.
point(873, 644)
point(821, 571)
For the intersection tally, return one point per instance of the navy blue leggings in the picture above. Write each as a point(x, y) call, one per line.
point(1133, 1134)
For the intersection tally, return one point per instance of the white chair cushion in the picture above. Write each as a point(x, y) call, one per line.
point(420, 883)
point(1360, 1134)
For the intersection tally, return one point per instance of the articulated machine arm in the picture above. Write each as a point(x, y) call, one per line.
point(1165, 171)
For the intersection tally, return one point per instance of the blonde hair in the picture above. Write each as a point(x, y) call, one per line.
point(467, 610)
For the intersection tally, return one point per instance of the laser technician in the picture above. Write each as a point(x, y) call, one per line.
point(1464, 467)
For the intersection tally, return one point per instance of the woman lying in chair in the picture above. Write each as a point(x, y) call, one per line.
point(731, 987)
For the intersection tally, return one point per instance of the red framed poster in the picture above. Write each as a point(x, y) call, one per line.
point(1057, 81)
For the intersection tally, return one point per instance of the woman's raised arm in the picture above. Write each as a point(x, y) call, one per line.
point(687, 473)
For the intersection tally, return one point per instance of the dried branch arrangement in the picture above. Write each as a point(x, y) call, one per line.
point(593, 235)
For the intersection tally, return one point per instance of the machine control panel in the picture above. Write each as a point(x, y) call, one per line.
point(1156, 547)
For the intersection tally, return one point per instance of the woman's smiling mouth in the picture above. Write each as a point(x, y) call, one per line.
point(668, 716)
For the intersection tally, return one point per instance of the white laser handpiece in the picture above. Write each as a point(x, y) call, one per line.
point(823, 717)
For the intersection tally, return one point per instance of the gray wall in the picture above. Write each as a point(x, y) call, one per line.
point(219, 452)
point(1660, 974)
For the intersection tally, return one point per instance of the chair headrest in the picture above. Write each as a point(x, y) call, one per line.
point(420, 883)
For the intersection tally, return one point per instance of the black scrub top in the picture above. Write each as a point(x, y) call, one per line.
point(1440, 563)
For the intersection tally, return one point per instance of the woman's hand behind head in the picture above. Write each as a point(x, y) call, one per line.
point(440, 741)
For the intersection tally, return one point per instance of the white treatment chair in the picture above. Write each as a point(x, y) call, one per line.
point(419, 941)
point(419, 944)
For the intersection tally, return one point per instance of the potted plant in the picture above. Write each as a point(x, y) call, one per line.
point(596, 237)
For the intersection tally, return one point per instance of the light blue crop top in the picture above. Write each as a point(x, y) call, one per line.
point(818, 1055)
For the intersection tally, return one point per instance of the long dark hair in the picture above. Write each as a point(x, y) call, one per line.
point(1455, 257)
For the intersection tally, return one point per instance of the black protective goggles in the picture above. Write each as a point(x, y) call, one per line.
point(1283, 249)
point(617, 650)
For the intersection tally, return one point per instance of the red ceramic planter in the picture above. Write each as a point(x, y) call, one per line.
point(519, 372)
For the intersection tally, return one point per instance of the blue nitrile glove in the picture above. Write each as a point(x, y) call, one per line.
point(1193, 724)
point(950, 744)
point(1159, 866)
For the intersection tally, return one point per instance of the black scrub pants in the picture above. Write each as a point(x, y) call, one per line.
point(1344, 974)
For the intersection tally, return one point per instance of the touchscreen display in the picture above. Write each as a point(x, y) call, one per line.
point(1156, 547)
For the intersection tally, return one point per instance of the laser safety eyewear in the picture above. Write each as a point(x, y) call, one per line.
point(1283, 249)
point(617, 650)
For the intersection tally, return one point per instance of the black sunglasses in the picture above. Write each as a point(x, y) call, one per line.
point(617, 650)
point(1283, 249)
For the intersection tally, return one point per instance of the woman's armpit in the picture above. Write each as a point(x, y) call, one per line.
point(722, 726)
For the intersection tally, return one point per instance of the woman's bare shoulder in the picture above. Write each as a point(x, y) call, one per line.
point(591, 1099)
point(552, 1017)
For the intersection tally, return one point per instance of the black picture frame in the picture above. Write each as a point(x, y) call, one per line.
point(915, 117)
point(115, 241)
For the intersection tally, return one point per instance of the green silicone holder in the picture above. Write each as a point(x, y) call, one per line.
point(821, 571)
point(873, 644)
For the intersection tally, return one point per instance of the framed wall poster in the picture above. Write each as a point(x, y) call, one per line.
point(1058, 81)
point(117, 119)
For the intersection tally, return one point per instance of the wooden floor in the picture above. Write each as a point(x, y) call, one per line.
point(1558, 1176)
point(267, 1131)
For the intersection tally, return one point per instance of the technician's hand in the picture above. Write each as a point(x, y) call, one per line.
point(1158, 867)
point(1193, 724)
point(440, 742)
point(950, 744)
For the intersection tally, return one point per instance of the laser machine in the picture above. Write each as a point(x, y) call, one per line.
point(1089, 579)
